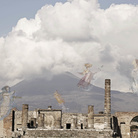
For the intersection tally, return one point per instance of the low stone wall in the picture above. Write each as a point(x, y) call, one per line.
point(35, 133)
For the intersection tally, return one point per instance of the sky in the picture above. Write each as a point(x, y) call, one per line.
point(45, 38)
point(12, 11)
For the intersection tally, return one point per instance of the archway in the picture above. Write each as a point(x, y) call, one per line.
point(134, 127)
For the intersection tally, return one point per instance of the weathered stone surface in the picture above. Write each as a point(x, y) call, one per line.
point(107, 104)
point(24, 116)
point(52, 123)
point(68, 133)
point(75, 120)
point(52, 118)
point(40, 120)
point(124, 122)
point(90, 116)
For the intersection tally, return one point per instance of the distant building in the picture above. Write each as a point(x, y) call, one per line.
point(51, 123)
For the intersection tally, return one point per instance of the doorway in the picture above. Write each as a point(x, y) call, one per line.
point(81, 126)
point(68, 126)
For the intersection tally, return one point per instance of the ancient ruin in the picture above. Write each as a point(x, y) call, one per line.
point(53, 123)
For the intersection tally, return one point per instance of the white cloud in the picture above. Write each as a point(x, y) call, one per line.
point(65, 36)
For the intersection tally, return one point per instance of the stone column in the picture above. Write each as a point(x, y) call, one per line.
point(58, 120)
point(58, 123)
point(74, 123)
point(107, 105)
point(24, 116)
point(90, 117)
point(40, 120)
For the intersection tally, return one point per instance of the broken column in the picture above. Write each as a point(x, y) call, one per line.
point(40, 120)
point(24, 116)
point(107, 104)
point(90, 116)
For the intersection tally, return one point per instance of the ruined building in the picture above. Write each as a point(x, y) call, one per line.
point(53, 123)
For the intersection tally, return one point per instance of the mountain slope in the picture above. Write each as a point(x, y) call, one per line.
point(39, 93)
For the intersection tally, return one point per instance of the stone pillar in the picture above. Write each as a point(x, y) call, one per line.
point(74, 123)
point(107, 105)
point(90, 117)
point(58, 120)
point(24, 116)
point(40, 120)
point(58, 123)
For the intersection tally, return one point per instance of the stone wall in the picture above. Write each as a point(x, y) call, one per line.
point(99, 121)
point(18, 118)
point(124, 122)
point(82, 119)
point(52, 118)
point(8, 126)
point(76, 120)
point(67, 133)
point(1, 128)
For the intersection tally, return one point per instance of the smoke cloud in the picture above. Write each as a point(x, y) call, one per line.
point(65, 36)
